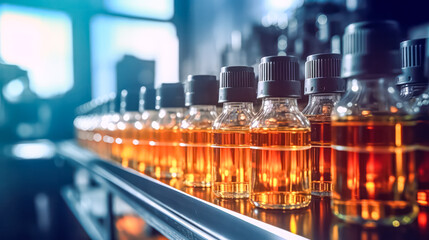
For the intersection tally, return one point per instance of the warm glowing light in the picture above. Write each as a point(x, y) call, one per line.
point(422, 198)
point(293, 227)
point(396, 223)
point(375, 215)
point(422, 220)
point(130, 225)
point(398, 134)
point(370, 187)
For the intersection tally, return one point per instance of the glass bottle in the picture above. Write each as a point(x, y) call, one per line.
point(324, 86)
point(106, 139)
point(373, 162)
point(280, 139)
point(144, 153)
point(421, 110)
point(412, 82)
point(169, 155)
point(109, 132)
point(124, 133)
point(197, 130)
point(94, 127)
point(231, 138)
point(80, 123)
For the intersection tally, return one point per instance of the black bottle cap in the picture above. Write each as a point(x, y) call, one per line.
point(370, 50)
point(170, 95)
point(129, 101)
point(147, 99)
point(201, 90)
point(323, 74)
point(413, 54)
point(237, 84)
point(279, 77)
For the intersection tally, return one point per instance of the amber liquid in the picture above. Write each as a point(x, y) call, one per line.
point(197, 169)
point(231, 164)
point(281, 168)
point(373, 171)
point(144, 151)
point(168, 153)
point(320, 155)
point(422, 162)
point(123, 146)
point(97, 143)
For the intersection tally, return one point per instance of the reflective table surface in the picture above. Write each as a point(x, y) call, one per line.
point(195, 213)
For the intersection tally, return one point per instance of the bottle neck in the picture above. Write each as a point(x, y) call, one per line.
point(290, 104)
point(201, 108)
point(371, 97)
point(238, 106)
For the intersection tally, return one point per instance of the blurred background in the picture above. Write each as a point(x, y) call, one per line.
point(56, 55)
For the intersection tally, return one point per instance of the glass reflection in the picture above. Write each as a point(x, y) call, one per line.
point(242, 206)
point(201, 193)
point(176, 183)
point(342, 230)
point(296, 221)
point(321, 222)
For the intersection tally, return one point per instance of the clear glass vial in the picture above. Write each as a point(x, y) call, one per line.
point(324, 86)
point(373, 159)
point(169, 156)
point(231, 141)
point(421, 110)
point(144, 154)
point(124, 132)
point(280, 139)
point(197, 130)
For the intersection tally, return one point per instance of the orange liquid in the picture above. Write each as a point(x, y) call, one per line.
point(373, 171)
point(281, 170)
point(231, 164)
point(144, 151)
point(168, 153)
point(124, 145)
point(321, 157)
point(197, 169)
point(96, 145)
point(422, 162)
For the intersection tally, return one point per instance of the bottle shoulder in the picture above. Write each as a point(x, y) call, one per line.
point(239, 119)
point(370, 103)
point(169, 120)
point(319, 109)
point(276, 119)
point(199, 120)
